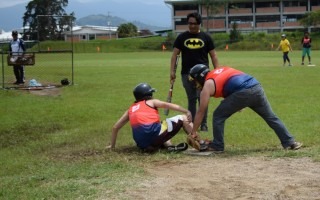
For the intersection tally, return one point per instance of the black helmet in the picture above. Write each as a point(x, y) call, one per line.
point(143, 90)
point(65, 81)
point(198, 73)
point(14, 32)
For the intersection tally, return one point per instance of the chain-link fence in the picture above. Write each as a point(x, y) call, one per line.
point(46, 62)
point(41, 68)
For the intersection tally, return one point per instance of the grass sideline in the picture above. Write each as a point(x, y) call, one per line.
point(53, 147)
point(249, 42)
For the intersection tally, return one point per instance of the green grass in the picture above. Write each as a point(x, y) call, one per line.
point(53, 147)
point(249, 42)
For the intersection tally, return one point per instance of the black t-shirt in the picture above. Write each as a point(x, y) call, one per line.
point(194, 49)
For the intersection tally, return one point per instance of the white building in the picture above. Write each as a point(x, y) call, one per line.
point(7, 36)
point(88, 32)
point(250, 15)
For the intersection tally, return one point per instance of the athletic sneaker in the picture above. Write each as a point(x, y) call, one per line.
point(211, 148)
point(294, 146)
point(290, 65)
point(302, 63)
point(180, 147)
point(204, 128)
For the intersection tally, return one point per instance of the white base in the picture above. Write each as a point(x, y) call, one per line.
point(194, 152)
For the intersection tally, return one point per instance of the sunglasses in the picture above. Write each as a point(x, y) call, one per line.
point(193, 23)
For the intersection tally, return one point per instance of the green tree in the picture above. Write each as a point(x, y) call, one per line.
point(310, 19)
point(212, 7)
point(46, 19)
point(127, 30)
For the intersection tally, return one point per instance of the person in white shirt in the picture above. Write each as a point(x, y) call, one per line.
point(17, 49)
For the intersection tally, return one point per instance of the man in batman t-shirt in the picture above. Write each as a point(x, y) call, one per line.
point(194, 46)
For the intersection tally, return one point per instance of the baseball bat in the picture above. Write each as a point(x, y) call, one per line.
point(169, 97)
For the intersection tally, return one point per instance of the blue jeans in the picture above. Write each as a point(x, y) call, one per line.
point(255, 99)
point(193, 97)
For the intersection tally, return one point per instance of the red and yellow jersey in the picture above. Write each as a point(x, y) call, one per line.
point(141, 114)
point(145, 123)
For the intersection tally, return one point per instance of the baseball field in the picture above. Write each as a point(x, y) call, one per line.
point(52, 142)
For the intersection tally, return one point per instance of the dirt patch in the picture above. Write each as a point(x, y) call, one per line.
point(231, 178)
point(74, 156)
point(46, 92)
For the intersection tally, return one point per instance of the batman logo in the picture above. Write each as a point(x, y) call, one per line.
point(194, 43)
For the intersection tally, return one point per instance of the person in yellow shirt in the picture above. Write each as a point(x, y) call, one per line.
point(285, 47)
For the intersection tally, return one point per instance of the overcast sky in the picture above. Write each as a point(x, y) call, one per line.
point(8, 3)
point(151, 12)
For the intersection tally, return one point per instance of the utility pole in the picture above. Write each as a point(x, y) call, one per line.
point(109, 24)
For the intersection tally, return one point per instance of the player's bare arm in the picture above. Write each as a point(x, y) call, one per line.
point(115, 129)
point(207, 91)
point(214, 58)
point(290, 47)
point(175, 53)
point(161, 104)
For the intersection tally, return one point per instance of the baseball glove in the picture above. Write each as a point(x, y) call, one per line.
point(196, 142)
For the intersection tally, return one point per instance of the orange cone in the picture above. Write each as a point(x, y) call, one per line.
point(163, 47)
point(227, 47)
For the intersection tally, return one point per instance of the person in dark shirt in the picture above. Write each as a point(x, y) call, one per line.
point(195, 46)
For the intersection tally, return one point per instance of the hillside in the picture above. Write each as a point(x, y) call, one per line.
point(103, 20)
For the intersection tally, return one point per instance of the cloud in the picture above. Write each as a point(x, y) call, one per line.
point(88, 1)
point(154, 12)
point(148, 2)
point(9, 3)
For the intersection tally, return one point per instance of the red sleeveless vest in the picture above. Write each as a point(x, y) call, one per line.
point(220, 76)
point(142, 114)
